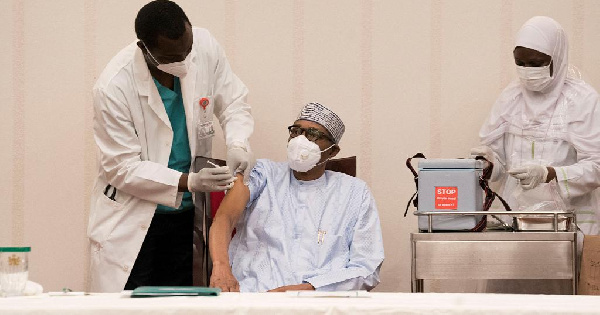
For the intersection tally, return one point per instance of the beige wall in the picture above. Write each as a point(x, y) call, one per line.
point(405, 76)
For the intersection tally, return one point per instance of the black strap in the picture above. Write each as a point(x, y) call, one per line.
point(490, 195)
point(415, 196)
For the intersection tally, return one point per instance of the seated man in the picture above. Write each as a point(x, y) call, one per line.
point(298, 227)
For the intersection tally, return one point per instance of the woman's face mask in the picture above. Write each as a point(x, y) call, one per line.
point(535, 78)
point(303, 154)
point(178, 69)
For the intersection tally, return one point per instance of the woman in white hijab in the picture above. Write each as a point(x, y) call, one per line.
point(543, 133)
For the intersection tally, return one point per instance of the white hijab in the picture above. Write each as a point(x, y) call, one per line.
point(545, 35)
point(521, 108)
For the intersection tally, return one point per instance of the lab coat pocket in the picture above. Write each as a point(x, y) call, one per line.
point(104, 219)
point(203, 117)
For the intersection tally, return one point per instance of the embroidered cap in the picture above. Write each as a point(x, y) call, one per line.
point(325, 117)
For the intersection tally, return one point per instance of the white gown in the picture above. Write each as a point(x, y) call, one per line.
point(559, 127)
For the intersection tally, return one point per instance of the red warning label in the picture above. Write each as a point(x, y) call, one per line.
point(446, 198)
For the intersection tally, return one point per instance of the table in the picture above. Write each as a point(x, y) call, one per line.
point(280, 303)
point(493, 255)
point(496, 254)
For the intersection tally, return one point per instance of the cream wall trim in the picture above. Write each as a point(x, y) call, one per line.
point(507, 34)
point(577, 38)
point(89, 156)
point(366, 99)
point(298, 100)
point(19, 137)
point(435, 72)
point(230, 18)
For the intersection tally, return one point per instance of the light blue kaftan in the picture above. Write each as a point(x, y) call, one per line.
point(277, 239)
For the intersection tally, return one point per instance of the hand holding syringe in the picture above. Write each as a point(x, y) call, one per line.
point(211, 179)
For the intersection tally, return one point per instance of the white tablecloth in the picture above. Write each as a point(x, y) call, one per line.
point(280, 303)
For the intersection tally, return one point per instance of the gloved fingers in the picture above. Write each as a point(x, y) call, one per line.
point(484, 151)
point(241, 168)
point(229, 186)
point(526, 181)
point(217, 170)
point(518, 170)
point(528, 184)
point(213, 188)
point(220, 188)
point(225, 181)
point(222, 178)
point(233, 160)
point(476, 154)
point(477, 151)
point(521, 176)
point(233, 165)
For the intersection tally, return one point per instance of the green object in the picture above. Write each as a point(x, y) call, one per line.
point(14, 249)
point(158, 291)
point(180, 158)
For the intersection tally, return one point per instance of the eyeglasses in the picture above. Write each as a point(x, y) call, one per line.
point(312, 134)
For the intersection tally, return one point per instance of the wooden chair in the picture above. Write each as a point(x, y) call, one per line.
point(345, 165)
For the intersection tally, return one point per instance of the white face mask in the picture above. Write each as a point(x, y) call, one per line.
point(535, 78)
point(303, 154)
point(178, 69)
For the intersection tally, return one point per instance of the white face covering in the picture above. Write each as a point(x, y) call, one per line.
point(178, 69)
point(303, 154)
point(535, 78)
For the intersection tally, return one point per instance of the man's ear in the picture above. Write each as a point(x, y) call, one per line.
point(334, 151)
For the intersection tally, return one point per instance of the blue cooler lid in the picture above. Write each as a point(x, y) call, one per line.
point(451, 164)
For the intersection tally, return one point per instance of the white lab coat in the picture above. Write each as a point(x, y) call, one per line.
point(134, 135)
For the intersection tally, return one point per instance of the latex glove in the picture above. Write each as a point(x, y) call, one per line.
point(240, 160)
point(489, 155)
point(530, 175)
point(484, 151)
point(211, 179)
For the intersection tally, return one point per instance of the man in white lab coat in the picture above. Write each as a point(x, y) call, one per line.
point(153, 113)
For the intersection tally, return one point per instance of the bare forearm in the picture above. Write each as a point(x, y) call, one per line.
point(220, 237)
point(222, 277)
point(228, 214)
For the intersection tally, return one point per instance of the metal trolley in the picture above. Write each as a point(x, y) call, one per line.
point(547, 253)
